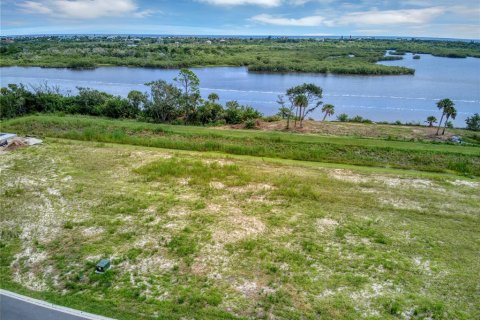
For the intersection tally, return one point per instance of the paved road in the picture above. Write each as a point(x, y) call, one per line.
point(17, 307)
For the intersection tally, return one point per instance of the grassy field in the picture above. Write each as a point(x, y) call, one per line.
point(425, 156)
point(264, 55)
point(213, 236)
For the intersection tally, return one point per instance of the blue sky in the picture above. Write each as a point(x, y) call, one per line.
point(429, 18)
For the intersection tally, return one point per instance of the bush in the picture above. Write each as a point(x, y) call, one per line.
point(236, 113)
point(343, 117)
point(81, 64)
point(272, 118)
point(250, 124)
point(473, 122)
point(117, 107)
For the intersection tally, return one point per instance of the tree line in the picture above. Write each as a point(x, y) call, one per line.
point(180, 102)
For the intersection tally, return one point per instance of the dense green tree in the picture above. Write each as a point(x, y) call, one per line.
point(137, 99)
point(303, 96)
point(189, 84)
point(165, 101)
point(15, 100)
point(473, 122)
point(209, 112)
point(117, 107)
point(90, 101)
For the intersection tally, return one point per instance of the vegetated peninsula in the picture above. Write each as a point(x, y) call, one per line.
point(339, 56)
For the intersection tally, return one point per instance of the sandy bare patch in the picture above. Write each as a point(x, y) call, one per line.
point(253, 187)
point(183, 181)
point(237, 227)
point(93, 258)
point(217, 185)
point(213, 208)
point(92, 231)
point(30, 280)
point(423, 265)
point(248, 288)
point(401, 203)
point(211, 260)
point(353, 240)
point(31, 259)
point(152, 209)
point(408, 183)
point(141, 158)
point(178, 212)
point(326, 224)
point(53, 192)
point(150, 264)
point(220, 162)
point(175, 225)
point(347, 175)
point(146, 241)
point(363, 298)
point(464, 183)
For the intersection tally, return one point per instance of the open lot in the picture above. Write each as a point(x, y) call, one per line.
point(215, 235)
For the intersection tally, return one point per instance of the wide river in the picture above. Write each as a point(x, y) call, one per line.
point(380, 98)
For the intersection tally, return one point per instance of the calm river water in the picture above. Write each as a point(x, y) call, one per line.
point(380, 98)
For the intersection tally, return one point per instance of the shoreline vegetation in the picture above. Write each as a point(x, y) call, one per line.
point(337, 56)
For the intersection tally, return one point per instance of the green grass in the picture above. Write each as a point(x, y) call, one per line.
point(423, 156)
point(215, 236)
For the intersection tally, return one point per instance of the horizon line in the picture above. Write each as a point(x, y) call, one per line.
point(236, 36)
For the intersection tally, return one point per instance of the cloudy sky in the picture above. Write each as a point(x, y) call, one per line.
point(430, 18)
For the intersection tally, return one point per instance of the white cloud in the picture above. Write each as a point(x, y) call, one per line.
point(145, 13)
point(390, 17)
point(309, 21)
point(263, 3)
point(84, 9)
point(373, 17)
point(34, 7)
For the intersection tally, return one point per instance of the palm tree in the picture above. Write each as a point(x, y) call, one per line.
point(301, 102)
point(443, 105)
point(450, 112)
point(213, 97)
point(431, 120)
point(329, 110)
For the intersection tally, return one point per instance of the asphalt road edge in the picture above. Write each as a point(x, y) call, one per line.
point(52, 306)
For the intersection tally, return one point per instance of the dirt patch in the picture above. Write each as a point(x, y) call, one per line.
point(220, 162)
point(347, 175)
point(14, 145)
point(92, 231)
point(20, 142)
point(178, 212)
point(148, 265)
point(248, 288)
point(217, 185)
point(253, 187)
point(237, 227)
point(326, 224)
point(464, 183)
point(401, 203)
